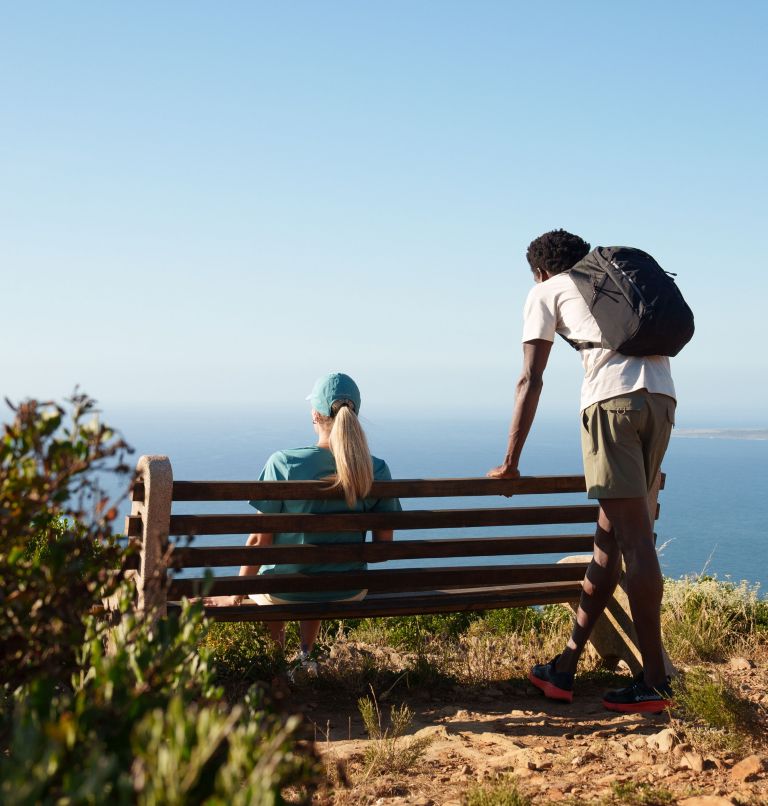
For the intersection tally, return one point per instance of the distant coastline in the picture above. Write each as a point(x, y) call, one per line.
point(722, 433)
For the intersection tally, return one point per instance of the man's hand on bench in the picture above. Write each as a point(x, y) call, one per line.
point(503, 472)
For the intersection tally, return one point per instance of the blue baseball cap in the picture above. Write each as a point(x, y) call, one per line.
point(330, 388)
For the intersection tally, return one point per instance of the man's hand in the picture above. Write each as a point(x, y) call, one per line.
point(503, 472)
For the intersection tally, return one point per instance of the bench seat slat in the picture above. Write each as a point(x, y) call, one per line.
point(395, 580)
point(219, 556)
point(406, 604)
point(409, 519)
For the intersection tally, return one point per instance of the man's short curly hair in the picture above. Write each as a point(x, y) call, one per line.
point(556, 251)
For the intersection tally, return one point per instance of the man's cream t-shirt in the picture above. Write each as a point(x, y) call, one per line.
point(556, 306)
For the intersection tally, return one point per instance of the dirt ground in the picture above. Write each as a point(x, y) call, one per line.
point(575, 753)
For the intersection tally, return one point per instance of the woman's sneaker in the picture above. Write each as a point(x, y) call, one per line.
point(555, 685)
point(303, 670)
point(639, 698)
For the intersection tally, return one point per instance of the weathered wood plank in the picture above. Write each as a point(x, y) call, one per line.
point(410, 519)
point(219, 556)
point(391, 580)
point(397, 488)
point(408, 604)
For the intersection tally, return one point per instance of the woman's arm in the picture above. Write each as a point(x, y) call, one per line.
point(256, 539)
point(382, 535)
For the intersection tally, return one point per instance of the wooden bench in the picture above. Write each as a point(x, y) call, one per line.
point(167, 543)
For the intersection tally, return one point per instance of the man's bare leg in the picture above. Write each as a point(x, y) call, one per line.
point(600, 582)
point(633, 532)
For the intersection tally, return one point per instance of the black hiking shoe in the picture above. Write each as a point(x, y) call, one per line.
point(555, 685)
point(639, 698)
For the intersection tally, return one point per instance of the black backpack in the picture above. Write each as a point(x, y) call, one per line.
point(638, 306)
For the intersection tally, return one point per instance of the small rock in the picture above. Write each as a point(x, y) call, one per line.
point(640, 757)
point(692, 761)
point(555, 794)
point(569, 736)
point(747, 768)
point(741, 664)
point(706, 800)
point(543, 765)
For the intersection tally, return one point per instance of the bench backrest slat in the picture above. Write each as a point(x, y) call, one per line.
point(408, 519)
point(397, 488)
point(220, 556)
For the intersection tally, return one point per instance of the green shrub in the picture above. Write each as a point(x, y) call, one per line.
point(630, 793)
point(707, 619)
point(389, 751)
point(502, 792)
point(711, 714)
point(145, 723)
point(242, 652)
point(58, 557)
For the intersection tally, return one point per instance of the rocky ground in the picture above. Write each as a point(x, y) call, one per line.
point(578, 753)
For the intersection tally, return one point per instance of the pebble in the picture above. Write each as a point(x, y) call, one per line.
point(747, 768)
point(663, 741)
point(741, 664)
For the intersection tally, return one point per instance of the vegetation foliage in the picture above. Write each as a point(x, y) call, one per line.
point(123, 708)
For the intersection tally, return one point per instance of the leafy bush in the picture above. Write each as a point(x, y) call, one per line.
point(93, 712)
point(242, 652)
point(711, 714)
point(53, 567)
point(502, 792)
point(146, 723)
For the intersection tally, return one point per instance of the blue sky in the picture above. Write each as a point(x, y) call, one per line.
point(210, 204)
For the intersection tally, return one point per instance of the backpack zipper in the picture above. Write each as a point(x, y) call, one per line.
point(631, 282)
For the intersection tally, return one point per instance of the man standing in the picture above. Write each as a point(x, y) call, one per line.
point(627, 413)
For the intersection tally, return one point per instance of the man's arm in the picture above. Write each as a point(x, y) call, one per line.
point(535, 357)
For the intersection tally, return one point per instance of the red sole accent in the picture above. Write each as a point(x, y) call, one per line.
point(551, 691)
point(653, 707)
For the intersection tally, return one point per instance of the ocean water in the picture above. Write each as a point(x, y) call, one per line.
point(714, 509)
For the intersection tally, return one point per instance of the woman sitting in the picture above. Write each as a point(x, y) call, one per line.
point(341, 455)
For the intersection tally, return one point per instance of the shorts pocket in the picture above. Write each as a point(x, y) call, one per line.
point(671, 406)
point(621, 404)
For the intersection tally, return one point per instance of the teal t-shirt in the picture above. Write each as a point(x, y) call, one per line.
point(307, 464)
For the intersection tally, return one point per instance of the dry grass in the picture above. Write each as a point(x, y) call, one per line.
point(706, 619)
point(712, 715)
point(390, 751)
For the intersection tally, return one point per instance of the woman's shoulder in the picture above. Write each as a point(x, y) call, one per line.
point(301, 462)
point(381, 470)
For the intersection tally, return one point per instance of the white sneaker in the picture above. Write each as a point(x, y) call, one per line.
point(304, 669)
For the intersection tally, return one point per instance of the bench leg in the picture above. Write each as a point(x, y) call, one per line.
point(155, 512)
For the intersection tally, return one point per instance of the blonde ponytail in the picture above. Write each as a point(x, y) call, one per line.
point(354, 466)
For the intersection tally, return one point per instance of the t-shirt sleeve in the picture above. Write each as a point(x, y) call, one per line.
point(539, 315)
point(274, 470)
point(381, 473)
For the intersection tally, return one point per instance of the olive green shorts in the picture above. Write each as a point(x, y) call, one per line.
point(623, 440)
